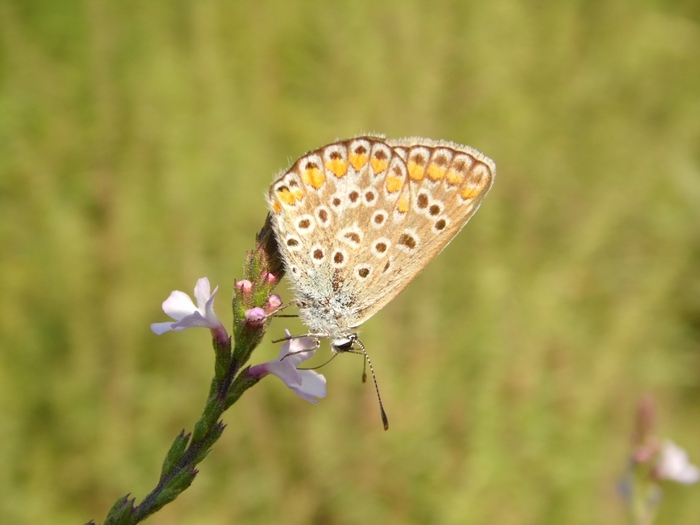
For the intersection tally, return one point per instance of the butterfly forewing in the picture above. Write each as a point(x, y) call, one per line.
point(447, 183)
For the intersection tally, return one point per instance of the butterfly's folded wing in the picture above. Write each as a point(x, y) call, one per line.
point(357, 220)
point(446, 184)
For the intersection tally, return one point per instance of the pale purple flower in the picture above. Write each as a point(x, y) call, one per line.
point(673, 465)
point(307, 384)
point(180, 307)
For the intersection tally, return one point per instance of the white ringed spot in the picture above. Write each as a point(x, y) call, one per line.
point(380, 247)
point(441, 224)
point(408, 241)
point(339, 259)
point(378, 219)
point(293, 243)
point(351, 236)
point(317, 254)
point(362, 271)
point(323, 216)
point(305, 224)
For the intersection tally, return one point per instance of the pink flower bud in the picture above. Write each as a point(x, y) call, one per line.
point(273, 303)
point(270, 278)
point(255, 317)
point(245, 286)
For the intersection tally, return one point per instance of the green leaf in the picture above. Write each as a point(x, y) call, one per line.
point(178, 483)
point(177, 449)
point(122, 512)
point(211, 438)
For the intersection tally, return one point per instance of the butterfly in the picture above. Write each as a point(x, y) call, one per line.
point(357, 220)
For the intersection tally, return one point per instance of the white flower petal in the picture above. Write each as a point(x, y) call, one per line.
point(161, 328)
point(674, 465)
point(202, 293)
point(313, 385)
point(307, 384)
point(297, 350)
point(178, 305)
point(286, 371)
point(690, 475)
point(195, 320)
point(209, 308)
point(304, 346)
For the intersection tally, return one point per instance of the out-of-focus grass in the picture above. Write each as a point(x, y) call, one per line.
point(136, 141)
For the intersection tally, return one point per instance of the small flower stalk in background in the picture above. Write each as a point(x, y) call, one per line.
point(654, 462)
point(253, 307)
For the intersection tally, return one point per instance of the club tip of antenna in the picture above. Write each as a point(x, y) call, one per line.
point(385, 420)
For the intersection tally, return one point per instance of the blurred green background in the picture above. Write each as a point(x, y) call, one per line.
point(137, 140)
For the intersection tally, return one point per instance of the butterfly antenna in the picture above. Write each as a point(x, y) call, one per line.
point(385, 419)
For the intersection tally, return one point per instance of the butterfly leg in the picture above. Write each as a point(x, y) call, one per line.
point(294, 302)
point(313, 336)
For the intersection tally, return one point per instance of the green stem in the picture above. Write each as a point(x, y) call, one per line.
point(227, 387)
point(177, 478)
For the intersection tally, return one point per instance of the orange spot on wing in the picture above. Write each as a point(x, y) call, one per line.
point(378, 165)
point(276, 207)
point(436, 172)
point(393, 183)
point(402, 206)
point(358, 161)
point(338, 166)
point(470, 192)
point(454, 177)
point(286, 197)
point(313, 177)
point(416, 171)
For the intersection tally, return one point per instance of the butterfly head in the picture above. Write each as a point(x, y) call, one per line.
point(343, 343)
